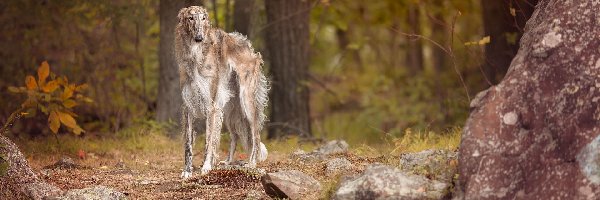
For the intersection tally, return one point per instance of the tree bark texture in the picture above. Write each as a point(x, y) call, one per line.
point(414, 52)
point(288, 46)
point(242, 16)
point(169, 94)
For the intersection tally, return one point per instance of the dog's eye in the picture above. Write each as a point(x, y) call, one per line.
point(203, 18)
point(190, 18)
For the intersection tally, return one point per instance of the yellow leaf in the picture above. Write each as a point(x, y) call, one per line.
point(29, 103)
point(70, 113)
point(513, 12)
point(13, 89)
point(77, 131)
point(69, 103)
point(81, 87)
point(50, 86)
point(68, 93)
point(70, 122)
point(53, 122)
point(30, 83)
point(66, 80)
point(60, 81)
point(43, 72)
point(88, 100)
point(484, 40)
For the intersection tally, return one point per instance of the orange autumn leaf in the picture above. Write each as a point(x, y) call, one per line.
point(67, 93)
point(30, 83)
point(69, 103)
point(43, 72)
point(70, 122)
point(81, 87)
point(50, 86)
point(54, 122)
point(81, 154)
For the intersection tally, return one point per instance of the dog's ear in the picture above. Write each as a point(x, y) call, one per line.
point(182, 14)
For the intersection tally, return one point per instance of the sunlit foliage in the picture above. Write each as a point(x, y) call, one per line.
point(54, 97)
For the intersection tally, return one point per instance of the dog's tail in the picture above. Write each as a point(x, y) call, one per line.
point(263, 153)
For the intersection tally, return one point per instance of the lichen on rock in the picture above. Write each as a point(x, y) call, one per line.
point(535, 134)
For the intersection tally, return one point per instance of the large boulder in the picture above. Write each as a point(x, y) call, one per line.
point(291, 184)
point(536, 134)
point(17, 180)
point(386, 182)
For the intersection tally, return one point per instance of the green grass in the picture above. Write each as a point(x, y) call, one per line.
point(141, 137)
point(151, 137)
point(412, 141)
point(417, 141)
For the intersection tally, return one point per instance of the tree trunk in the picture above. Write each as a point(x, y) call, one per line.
point(505, 31)
point(288, 46)
point(414, 53)
point(169, 94)
point(242, 16)
point(439, 33)
point(17, 179)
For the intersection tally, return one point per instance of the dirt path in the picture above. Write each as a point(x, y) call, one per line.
point(151, 175)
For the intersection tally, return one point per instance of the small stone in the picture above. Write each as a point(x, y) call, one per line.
point(120, 165)
point(439, 164)
point(253, 194)
point(510, 118)
point(93, 193)
point(291, 184)
point(337, 164)
point(332, 147)
point(308, 157)
point(589, 161)
point(64, 163)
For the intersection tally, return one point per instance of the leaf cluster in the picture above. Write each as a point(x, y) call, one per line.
point(52, 96)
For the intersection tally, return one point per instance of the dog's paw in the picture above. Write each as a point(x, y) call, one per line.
point(205, 169)
point(186, 175)
point(225, 162)
point(250, 164)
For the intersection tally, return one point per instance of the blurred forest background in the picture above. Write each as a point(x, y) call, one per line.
point(358, 70)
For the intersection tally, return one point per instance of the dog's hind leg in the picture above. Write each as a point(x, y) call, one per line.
point(187, 122)
point(232, 145)
point(251, 114)
point(238, 126)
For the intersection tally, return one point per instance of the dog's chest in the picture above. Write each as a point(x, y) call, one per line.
point(209, 59)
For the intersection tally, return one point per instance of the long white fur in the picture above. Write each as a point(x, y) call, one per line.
point(239, 102)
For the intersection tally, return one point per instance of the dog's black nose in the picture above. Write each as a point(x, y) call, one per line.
point(198, 38)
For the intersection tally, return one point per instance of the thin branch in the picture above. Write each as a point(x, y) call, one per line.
point(16, 115)
point(448, 50)
point(284, 19)
point(325, 87)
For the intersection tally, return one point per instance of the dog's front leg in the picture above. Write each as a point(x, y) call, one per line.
point(187, 121)
point(214, 124)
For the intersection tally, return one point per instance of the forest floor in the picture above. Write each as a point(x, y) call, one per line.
point(149, 166)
